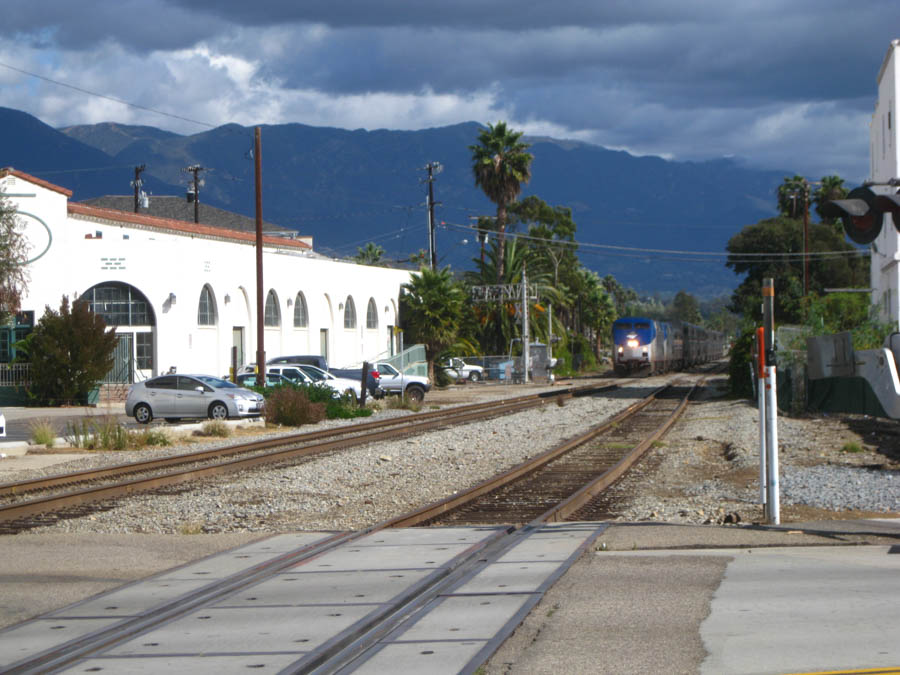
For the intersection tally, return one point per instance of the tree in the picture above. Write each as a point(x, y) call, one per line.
point(13, 258)
point(685, 308)
point(70, 351)
point(791, 195)
point(370, 255)
point(501, 165)
point(780, 236)
point(431, 308)
point(830, 187)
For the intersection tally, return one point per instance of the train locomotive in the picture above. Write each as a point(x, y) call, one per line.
point(648, 346)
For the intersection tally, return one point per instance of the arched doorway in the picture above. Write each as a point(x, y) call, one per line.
point(128, 310)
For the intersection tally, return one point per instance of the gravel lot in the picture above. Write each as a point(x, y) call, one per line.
point(704, 471)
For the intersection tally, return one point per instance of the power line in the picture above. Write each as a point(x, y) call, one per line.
point(639, 250)
point(108, 98)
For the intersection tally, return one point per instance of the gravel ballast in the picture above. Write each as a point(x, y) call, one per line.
point(704, 471)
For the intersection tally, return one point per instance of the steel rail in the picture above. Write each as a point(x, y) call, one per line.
point(566, 508)
point(11, 513)
point(498, 407)
point(338, 653)
point(436, 509)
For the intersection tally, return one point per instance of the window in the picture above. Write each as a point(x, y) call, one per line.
point(143, 349)
point(273, 313)
point(371, 314)
point(206, 309)
point(349, 313)
point(163, 382)
point(119, 304)
point(301, 316)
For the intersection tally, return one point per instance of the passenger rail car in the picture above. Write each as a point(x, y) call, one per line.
point(642, 345)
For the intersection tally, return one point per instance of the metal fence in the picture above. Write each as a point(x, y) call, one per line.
point(15, 374)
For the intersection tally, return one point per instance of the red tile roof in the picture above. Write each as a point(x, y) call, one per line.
point(151, 221)
point(9, 171)
point(179, 225)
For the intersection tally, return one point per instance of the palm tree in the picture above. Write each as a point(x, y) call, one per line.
point(501, 165)
point(830, 187)
point(431, 310)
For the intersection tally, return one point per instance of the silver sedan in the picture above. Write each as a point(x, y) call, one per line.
point(177, 396)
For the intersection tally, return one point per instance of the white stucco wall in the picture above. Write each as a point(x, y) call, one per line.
point(74, 252)
point(884, 160)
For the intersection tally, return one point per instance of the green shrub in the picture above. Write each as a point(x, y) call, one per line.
point(42, 432)
point(320, 394)
point(292, 407)
point(106, 433)
point(739, 364)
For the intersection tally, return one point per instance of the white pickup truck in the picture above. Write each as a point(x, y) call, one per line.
point(457, 369)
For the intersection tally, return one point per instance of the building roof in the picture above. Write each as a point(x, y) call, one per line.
point(180, 226)
point(9, 171)
point(178, 208)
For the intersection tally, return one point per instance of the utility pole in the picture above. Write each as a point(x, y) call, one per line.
point(805, 238)
point(195, 191)
point(260, 307)
point(136, 184)
point(432, 168)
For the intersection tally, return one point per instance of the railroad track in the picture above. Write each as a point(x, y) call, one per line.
point(637, 427)
point(40, 501)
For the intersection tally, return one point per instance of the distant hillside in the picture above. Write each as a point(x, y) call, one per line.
point(345, 188)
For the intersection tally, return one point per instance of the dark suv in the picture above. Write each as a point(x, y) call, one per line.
point(308, 359)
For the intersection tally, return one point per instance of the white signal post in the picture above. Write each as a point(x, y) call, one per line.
point(773, 515)
point(760, 366)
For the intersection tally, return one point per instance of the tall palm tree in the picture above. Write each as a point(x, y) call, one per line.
point(831, 187)
point(431, 309)
point(501, 165)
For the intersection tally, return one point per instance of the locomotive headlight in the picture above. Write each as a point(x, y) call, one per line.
point(632, 343)
point(621, 349)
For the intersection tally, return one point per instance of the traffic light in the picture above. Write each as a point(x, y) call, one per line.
point(862, 213)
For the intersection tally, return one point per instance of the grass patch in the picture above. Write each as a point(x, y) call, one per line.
point(618, 446)
point(217, 428)
point(393, 402)
point(851, 447)
point(106, 433)
point(658, 444)
point(41, 432)
point(190, 528)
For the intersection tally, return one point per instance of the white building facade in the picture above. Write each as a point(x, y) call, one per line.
point(884, 160)
point(183, 295)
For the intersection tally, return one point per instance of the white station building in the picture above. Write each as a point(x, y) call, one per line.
point(885, 166)
point(183, 295)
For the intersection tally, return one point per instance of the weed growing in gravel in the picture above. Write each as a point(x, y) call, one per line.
point(42, 432)
point(190, 528)
point(148, 437)
point(216, 428)
point(402, 403)
point(851, 447)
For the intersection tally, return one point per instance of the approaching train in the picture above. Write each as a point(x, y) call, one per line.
point(651, 347)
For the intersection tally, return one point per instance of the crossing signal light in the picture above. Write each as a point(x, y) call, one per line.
point(862, 213)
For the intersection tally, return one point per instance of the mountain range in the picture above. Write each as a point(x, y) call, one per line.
point(348, 187)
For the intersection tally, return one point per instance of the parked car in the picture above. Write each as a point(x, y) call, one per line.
point(177, 396)
point(2, 425)
point(395, 382)
point(372, 378)
point(308, 359)
point(457, 369)
point(341, 385)
point(272, 379)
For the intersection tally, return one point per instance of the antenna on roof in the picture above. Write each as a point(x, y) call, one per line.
point(136, 184)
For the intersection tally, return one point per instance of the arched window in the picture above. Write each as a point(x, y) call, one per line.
point(206, 308)
point(119, 304)
point(301, 315)
point(371, 314)
point(349, 313)
point(273, 312)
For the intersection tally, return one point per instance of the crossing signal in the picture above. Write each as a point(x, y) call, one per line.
point(862, 213)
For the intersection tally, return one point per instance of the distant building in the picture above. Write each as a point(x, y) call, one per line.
point(885, 164)
point(183, 295)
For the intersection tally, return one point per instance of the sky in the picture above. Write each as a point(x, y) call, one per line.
point(773, 84)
